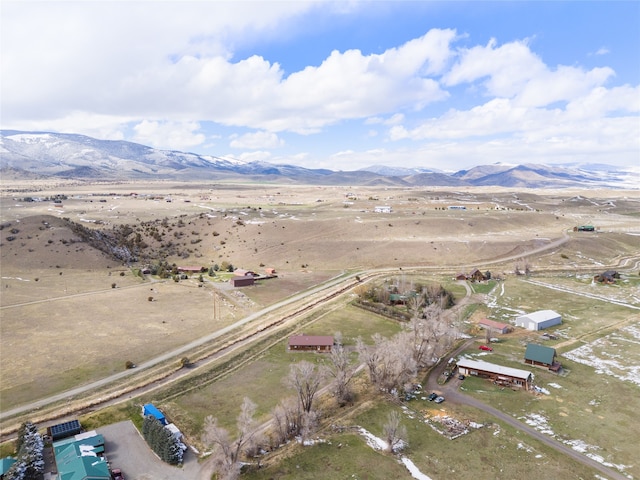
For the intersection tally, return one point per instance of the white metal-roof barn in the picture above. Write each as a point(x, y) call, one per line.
point(539, 320)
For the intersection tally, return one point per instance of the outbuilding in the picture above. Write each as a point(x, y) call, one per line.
point(64, 430)
point(311, 343)
point(494, 326)
point(242, 281)
point(541, 355)
point(499, 374)
point(150, 409)
point(539, 320)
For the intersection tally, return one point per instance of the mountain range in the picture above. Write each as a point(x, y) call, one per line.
point(62, 155)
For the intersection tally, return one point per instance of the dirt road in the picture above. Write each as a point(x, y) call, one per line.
point(452, 394)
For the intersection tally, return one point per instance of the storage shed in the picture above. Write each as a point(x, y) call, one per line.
point(150, 409)
point(494, 326)
point(311, 343)
point(242, 281)
point(498, 373)
point(539, 320)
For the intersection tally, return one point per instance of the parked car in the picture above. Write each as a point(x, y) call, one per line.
point(432, 397)
point(461, 377)
point(116, 474)
point(485, 348)
point(439, 400)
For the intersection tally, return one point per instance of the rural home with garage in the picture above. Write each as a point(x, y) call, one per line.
point(541, 356)
point(494, 326)
point(311, 343)
point(81, 457)
point(539, 320)
point(497, 373)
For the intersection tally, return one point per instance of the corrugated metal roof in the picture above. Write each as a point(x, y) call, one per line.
point(539, 353)
point(493, 368)
point(493, 324)
point(541, 316)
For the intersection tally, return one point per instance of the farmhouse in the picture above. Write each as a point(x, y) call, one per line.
point(382, 209)
point(242, 281)
point(240, 272)
point(499, 374)
point(541, 356)
point(311, 343)
point(494, 326)
point(539, 320)
point(189, 269)
point(610, 276)
point(81, 457)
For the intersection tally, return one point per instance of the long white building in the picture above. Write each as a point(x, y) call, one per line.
point(539, 320)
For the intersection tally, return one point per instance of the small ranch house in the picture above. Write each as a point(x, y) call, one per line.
point(499, 374)
point(382, 209)
point(541, 356)
point(311, 343)
point(539, 320)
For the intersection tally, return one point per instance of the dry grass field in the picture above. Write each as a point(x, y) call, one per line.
point(71, 314)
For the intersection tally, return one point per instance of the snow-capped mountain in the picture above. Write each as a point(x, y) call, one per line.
point(40, 154)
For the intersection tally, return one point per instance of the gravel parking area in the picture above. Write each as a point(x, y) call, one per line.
point(126, 449)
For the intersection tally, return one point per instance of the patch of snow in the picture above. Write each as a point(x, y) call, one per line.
point(555, 385)
point(413, 470)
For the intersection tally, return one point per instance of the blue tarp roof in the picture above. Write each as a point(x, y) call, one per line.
point(150, 409)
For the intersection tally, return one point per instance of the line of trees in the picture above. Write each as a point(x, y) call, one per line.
point(392, 363)
point(162, 441)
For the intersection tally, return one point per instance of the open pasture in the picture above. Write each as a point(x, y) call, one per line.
point(262, 379)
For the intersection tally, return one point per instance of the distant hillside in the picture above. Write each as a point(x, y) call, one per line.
point(47, 154)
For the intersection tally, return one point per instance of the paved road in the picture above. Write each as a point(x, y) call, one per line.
point(450, 391)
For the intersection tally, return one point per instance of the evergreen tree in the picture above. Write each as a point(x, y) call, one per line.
point(30, 458)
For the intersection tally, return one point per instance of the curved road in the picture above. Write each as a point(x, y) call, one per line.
point(452, 394)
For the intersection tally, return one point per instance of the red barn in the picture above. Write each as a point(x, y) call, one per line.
point(311, 343)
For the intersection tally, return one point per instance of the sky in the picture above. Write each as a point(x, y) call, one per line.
point(442, 85)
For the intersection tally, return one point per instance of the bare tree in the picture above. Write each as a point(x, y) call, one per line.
point(395, 433)
point(341, 370)
point(390, 361)
point(305, 379)
point(226, 452)
point(287, 420)
point(309, 425)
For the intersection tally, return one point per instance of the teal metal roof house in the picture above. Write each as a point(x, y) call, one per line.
point(81, 458)
point(541, 356)
point(5, 465)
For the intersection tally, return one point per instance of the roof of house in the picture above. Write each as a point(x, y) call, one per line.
point(493, 324)
point(78, 459)
point(493, 368)
point(311, 340)
point(5, 464)
point(541, 316)
point(539, 353)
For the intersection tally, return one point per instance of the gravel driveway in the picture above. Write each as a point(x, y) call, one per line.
point(126, 449)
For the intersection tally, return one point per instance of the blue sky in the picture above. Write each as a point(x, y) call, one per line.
point(340, 85)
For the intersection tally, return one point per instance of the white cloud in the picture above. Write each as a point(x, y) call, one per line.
point(169, 135)
point(602, 51)
point(257, 140)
